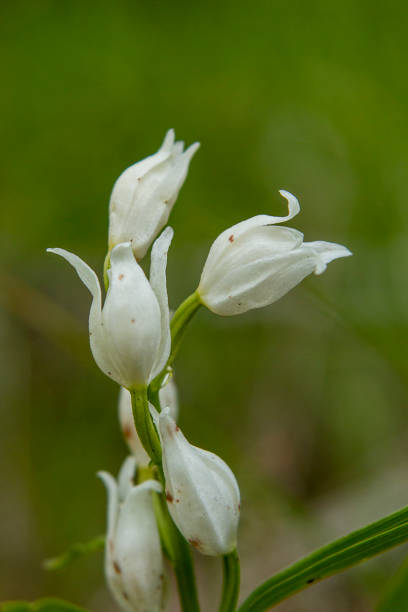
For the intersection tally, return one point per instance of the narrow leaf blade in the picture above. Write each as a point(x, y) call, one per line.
point(337, 556)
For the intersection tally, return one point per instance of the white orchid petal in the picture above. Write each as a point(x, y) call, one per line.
point(260, 242)
point(85, 273)
point(97, 334)
point(253, 264)
point(159, 286)
point(133, 556)
point(144, 194)
point(125, 477)
point(132, 319)
point(168, 141)
point(201, 490)
point(138, 556)
point(328, 251)
point(113, 501)
point(233, 235)
point(168, 396)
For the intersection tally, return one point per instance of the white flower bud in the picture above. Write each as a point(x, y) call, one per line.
point(130, 335)
point(201, 490)
point(144, 195)
point(253, 263)
point(133, 555)
point(168, 398)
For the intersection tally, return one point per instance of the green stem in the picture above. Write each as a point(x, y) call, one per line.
point(180, 320)
point(230, 587)
point(74, 552)
point(179, 554)
point(144, 424)
point(173, 542)
point(178, 325)
point(339, 555)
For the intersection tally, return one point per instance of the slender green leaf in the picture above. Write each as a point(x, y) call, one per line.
point(331, 559)
point(395, 596)
point(47, 604)
point(74, 552)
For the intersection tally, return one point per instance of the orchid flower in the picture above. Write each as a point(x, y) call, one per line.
point(144, 195)
point(133, 555)
point(253, 263)
point(130, 334)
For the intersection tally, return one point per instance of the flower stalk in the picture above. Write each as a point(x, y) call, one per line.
point(231, 582)
point(144, 424)
point(178, 326)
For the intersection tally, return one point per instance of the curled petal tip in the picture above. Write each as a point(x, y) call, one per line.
point(293, 202)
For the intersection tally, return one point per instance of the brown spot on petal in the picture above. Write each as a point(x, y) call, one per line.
point(132, 320)
point(110, 373)
point(127, 431)
point(195, 542)
point(165, 201)
point(125, 595)
point(177, 500)
point(117, 567)
point(111, 546)
point(169, 497)
point(231, 238)
point(177, 428)
point(121, 276)
point(239, 507)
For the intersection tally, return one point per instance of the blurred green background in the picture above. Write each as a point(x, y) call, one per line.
point(306, 399)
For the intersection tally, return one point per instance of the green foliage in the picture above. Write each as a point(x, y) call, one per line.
point(74, 552)
point(341, 554)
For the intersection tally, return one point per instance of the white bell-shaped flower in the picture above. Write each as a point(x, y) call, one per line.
point(253, 264)
point(130, 335)
point(144, 195)
point(201, 491)
point(133, 556)
point(168, 397)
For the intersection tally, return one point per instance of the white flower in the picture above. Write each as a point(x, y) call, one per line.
point(130, 335)
point(201, 491)
point(133, 555)
point(144, 195)
point(168, 398)
point(253, 263)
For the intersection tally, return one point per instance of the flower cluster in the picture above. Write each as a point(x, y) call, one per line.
point(168, 486)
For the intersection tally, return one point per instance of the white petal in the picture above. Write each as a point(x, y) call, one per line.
point(132, 320)
point(96, 331)
point(86, 274)
point(327, 252)
point(168, 396)
point(125, 477)
point(113, 502)
point(232, 234)
point(143, 196)
point(202, 493)
point(258, 243)
point(138, 555)
point(168, 141)
point(159, 286)
point(262, 282)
